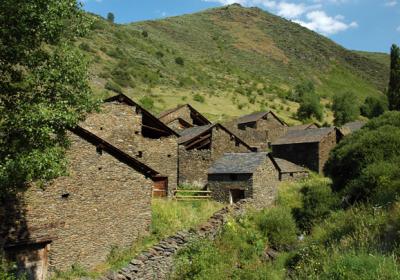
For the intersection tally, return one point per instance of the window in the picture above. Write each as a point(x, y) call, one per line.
point(233, 177)
point(99, 150)
point(65, 195)
point(140, 154)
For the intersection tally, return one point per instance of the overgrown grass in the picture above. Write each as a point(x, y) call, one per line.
point(168, 217)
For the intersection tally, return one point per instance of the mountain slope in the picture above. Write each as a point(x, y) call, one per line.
point(232, 60)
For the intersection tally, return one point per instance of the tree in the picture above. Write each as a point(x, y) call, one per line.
point(373, 107)
point(310, 106)
point(44, 88)
point(345, 108)
point(365, 166)
point(301, 89)
point(110, 17)
point(394, 82)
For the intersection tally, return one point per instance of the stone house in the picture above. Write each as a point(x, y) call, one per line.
point(103, 202)
point(200, 146)
point(134, 130)
point(309, 148)
point(260, 128)
point(183, 117)
point(303, 126)
point(237, 176)
point(288, 171)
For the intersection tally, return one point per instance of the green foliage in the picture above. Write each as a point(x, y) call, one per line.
point(394, 83)
point(145, 33)
point(301, 90)
point(360, 166)
point(279, 227)
point(318, 202)
point(76, 272)
point(199, 98)
point(44, 89)
point(345, 108)
point(147, 102)
point(373, 107)
point(180, 61)
point(6, 270)
point(310, 106)
point(110, 17)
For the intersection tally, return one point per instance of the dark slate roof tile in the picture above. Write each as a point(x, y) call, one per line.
point(288, 167)
point(238, 163)
point(312, 135)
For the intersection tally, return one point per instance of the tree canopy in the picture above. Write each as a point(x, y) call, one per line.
point(44, 87)
point(345, 108)
point(365, 165)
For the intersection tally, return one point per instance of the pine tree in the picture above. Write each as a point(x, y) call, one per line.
point(394, 83)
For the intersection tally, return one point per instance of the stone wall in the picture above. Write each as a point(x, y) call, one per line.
point(194, 164)
point(304, 154)
point(158, 261)
point(120, 125)
point(325, 147)
point(183, 113)
point(292, 176)
point(265, 184)
point(102, 203)
point(220, 184)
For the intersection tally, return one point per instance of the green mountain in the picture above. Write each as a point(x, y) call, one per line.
point(226, 61)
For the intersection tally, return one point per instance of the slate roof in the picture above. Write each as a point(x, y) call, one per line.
point(313, 135)
point(288, 167)
point(193, 110)
point(238, 163)
point(192, 132)
point(257, 116)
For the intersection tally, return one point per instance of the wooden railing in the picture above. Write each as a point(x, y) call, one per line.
point(188, 195)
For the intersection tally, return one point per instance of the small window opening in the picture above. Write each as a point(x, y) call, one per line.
point(137, 132)
point(65, 195)
point(233, 177)
point(169, 156)
point(140, 154)
point(100, 168)
point(101, 128)
point(99, 150)
point(237, 143)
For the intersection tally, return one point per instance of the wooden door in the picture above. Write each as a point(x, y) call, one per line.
point(160, 187)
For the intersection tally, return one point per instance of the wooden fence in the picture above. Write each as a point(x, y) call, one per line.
point(190, 195)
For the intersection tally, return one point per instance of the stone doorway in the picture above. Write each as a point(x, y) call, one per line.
point(236, 195)
point(160, 187)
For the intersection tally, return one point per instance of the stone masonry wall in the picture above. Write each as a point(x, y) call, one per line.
point(265, 184)
point(120, 125)
point(183, 113)
point(157, 263)
point(106, 203)
point(220, 184)
point(325, 147)
point(194, 164)
point(306, 155)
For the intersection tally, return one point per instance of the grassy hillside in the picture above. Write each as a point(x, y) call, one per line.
point(226, 61)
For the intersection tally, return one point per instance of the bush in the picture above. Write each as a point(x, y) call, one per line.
point(310, 106)
point(113, 87)
point(145, 34)
point(345, 108)
point(199, 98)
point(317, 203)
point(373, 107)
point(147, 102)
point(86, 47)
point(279, 227)
point(179, 61)
point(376, 143)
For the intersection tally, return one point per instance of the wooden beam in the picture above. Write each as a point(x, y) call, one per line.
point(200, 139)
point(204, 144)
point(155, 129)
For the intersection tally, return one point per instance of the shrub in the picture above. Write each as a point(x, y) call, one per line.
point(147, 102)
point(86, 47)
point(145, 34)
point(113, 87)
point(279, 227)
point(159, 54)
point(373, 107)
point(179, 60)
point(345, 108)
point(199, 98)
point(317, 203)
point(376, 143)
point(310, 106)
